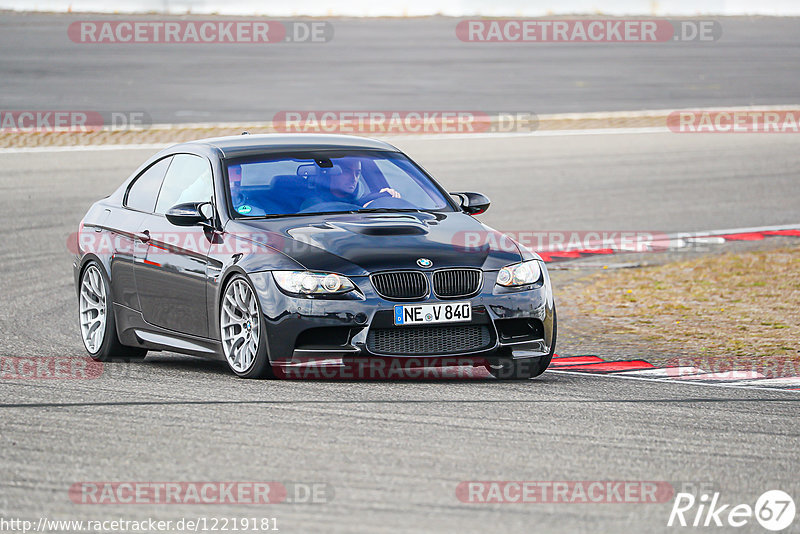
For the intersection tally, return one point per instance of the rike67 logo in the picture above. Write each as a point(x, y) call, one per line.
point(774, 510)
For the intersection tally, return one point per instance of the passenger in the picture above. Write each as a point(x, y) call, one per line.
point(235, 180)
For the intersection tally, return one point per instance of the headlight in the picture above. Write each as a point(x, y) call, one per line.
point(310, 283)
point(519, 274)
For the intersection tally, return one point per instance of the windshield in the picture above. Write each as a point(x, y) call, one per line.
point(331, 183)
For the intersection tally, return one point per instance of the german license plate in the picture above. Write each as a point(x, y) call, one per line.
point(449, 312)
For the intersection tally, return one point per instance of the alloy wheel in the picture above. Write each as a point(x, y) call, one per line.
point(240, 326)
point(93, 309)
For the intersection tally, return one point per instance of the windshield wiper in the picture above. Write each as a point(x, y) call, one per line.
point(313, 213)
point(384, 210)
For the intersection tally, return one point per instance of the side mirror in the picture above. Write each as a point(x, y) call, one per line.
point(473, 203)
point(190, 214)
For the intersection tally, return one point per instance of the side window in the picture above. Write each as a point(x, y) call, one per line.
point(188, 180)
point(143, 192)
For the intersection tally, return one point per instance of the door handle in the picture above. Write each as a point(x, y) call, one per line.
point(144, 237)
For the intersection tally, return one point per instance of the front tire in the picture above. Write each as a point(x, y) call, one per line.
point(507, 368)
point(242, 332)
point(98, 325)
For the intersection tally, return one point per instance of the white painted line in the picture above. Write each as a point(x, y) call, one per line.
point(618, 376)
point(706, 240)
point(664, 372)
point(544, 133)
point(789, 381)
point(660, 112)
point(723, 375)
point(388, 138)
point(537, 133)
point(750, 230)
point(546, 117)
point(675, 241)
point(670, 242)
point(600, 115)
point(572, 265)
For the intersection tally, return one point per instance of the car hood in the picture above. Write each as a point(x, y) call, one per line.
point(361, 243)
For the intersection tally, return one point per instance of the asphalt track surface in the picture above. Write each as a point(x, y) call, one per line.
point(390, 64)
point(394, 452)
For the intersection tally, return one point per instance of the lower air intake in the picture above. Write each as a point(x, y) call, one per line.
point(429, 340)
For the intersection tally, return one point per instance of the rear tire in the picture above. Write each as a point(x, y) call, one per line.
point(242, 330)
point(97, 321)
point(507, 368)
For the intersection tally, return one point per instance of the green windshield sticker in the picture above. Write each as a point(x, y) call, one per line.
point(244, 210)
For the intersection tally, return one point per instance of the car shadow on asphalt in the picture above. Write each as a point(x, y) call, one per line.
point(179, 363)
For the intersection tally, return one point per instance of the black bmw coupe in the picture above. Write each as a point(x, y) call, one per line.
point(268, 250)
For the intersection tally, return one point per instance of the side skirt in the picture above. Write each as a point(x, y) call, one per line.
point(134, 331)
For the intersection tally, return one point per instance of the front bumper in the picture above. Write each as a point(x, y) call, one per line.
point(517, 321)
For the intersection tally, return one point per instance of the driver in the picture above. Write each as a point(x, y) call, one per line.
point(344, 187)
